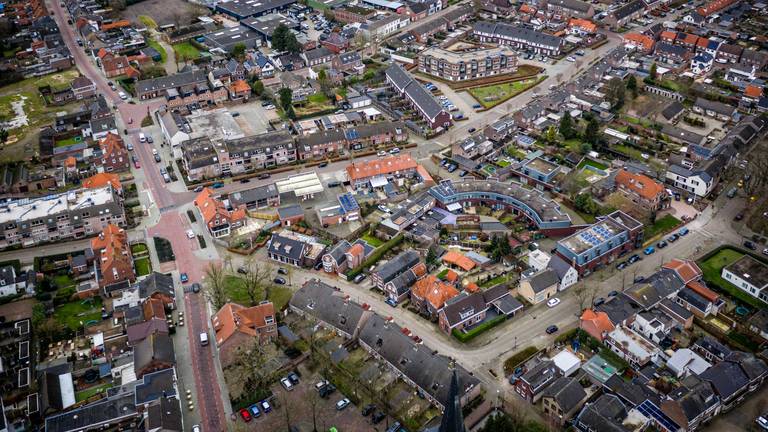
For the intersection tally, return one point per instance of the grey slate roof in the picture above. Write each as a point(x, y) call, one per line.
point(559, 266)
point(672, 110)
point(713, 346)
point(567, 392)
point(156, 283)
point(576, 5)
point(654, 288)
point(628, 9)
point(165, 414)
point(727, 378)
point(290, 211)
point(619, 309)
point(541, 375)
point(463, 304)
point(715, 106)
point(543, 280)
point(604, 414)
point(171, 81)
point(508, 31)
point(403, 282)
point(415, 91)
point(630, 393)
point(328, 305)
point(287, 247)
point(156, 385)
point(338, 253)
point(403, 261)
point(431, 372)
point(253, 195)
point(694, 299)
point(156, 347)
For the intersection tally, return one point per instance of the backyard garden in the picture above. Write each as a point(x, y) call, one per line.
point(495, 94)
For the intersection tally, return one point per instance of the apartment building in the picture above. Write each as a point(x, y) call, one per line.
point(461, 66)
point(75, 214)
point(518, 37)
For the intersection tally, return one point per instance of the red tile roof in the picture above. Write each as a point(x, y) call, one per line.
point(596, 324)
point(459, 260)
point(435, 292)
point(687, 270)
point(714, 6)
point(234, 318)
point(641, 185)
point(102, 179)
point(668, 35)
point(640, 41)
point(703, 291)
point(214, 211)
point(116, 24)
point(114, 253)
point(753, 91)
point(380, 167)
point(586, 25)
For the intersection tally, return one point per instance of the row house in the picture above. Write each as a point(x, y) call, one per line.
point(191, 94)
point(219, 220)
point(570, 9)
point(531, 385)
point(626, 13)
point(114, 155)
point(632, 347)
point(399, 288)
point(429, 294)
point(336, 141)
point(728, 53)
point(395, 267)
point(113, 255)
point(419, 98)
point(157, 87)
point(345, 256)
point(318, 56)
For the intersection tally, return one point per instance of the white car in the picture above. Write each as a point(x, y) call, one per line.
point(122, 95)
point(320, 384)
point(570, 59)
point(340, 405)
point(190, 234)
point(394, 151)
point(196, 428)
point(286, 383)
point(269, 107)
point(381, 153)
point(384, 209)
point(553, 302)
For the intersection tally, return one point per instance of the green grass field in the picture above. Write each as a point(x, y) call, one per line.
point(592, 163)
point(72, 313)
point(143, 266)
point(69, 141)
point(662, 225)
point(712, 268)
point(148, 21)
point(492, 95)
point(85, 394)
point(371, 240)
point(156, 45)
point(186, 50)
point(279, 295)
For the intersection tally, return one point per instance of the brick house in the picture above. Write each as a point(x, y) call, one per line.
point(113, 65)
point(100, 180)
point(218, 219)
point(82, 88)
point(532, 384)
point(428, 295)
point(114, 156)
point(641, 190)
point(237, 327)
point(115, 262)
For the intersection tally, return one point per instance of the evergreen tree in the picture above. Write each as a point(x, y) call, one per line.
point(632, 85)
point(652, 72)
point(566, 126)
point(592, 133)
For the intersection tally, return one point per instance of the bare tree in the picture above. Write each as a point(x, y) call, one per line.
point(214, 288)
point(250, 366)
point(582, 292)
point(256, 280)
point(314, 400)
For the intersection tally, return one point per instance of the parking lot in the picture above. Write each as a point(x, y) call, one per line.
point(302, 400)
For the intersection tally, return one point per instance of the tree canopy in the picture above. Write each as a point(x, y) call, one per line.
point(283, 39)
point(566, 126)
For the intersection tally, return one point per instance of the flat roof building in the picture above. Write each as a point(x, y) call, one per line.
point(240, 9)
point(467, 65)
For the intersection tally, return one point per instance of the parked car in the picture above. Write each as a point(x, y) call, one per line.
point(255, 411)
point(265, 406)
point(294, 377)
point(662, 244)
point(378, 417)
point(613, 293)
point(340, 405)
point(554, 301)
point(286, 383)
point(323, 165)
point(368, 409)
point(359, 278)
point(622, 265)
point(471, 130)
point(320, 384)
point(282, 271)
point(395, 427)
point(731, 192)
point(683, 231)
point(245, 415)
point(570, 59)
point(263, 176)
point(649, 250)
point(190, 234)
point(598, 301)
point(673, 238)
point(384, 208)
point(391, 302)
point(184, 278)
point(245, 180)
point(394, 151)
point(217, 185)
point(327, 390)
point(739, 216)
point(634, 258)
point(198, 189)
point(552, 329)
point(749, 245)
point(279, 281)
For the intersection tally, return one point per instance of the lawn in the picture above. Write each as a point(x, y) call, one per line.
point(156, 45)
point(712, 268)
point(148, 21)
point(143, 266)
point(371, 240)
point(85, 394)
point(279, 295)
point(138, 248)
point(72, 313)
point(629, 151)
point(593, 164)
point(63, 281)
point(661, 225)
point(492, 95)
point(573, 144)
point(317, 98)
point(186, 50)
point(503, 163)
point(69, 141)
point(493, 282)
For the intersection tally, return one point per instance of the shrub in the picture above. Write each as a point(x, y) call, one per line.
point(376, 256)
point(516, 360)
point(468, 336)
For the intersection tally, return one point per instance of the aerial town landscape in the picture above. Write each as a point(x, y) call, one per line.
point(383, 215)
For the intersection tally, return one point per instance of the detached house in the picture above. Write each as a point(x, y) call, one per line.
point(237, 327)
point(532, 384)
point(114, 261)
point(429, 295)
point(539, 287)
point(467, 310)
point(641, 190)
point(219, 220)
point(114, 156)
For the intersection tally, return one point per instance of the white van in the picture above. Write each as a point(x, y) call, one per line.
point(142, 137)
point(203, 338)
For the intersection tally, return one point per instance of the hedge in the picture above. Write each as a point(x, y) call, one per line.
point(513, 362)
point(375, 256)
point(468, 336)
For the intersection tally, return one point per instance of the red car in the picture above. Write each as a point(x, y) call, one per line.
point(245, 415)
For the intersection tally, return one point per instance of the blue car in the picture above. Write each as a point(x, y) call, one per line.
point(391, 302)
point(217, 185)
point(184, 278)
point(477, 106)
point(254, 409)
point(683, 231)
point(649, 250)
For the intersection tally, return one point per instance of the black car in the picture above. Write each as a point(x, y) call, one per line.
point(739, 216)
point(598, 301)
point(263, 176)
point(327, 390)
point(279, 281)
point(281, 270)
point(195, 287)
point(368, 409)
point(749, 245)
point(639, 279)
point(470, 130)
point(622, 265)
point(378, 417)
point(661, 245)
point(293, 378)
point(242, 270)
point(552, 329)
point(323, 165)
point(319, 265)
point(613, 294)
point(673, 238)
point(334, 184)
point(634, 258)
point(245, 180)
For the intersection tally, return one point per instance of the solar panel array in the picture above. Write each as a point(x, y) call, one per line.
point(650, 410)
point(348, 202)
